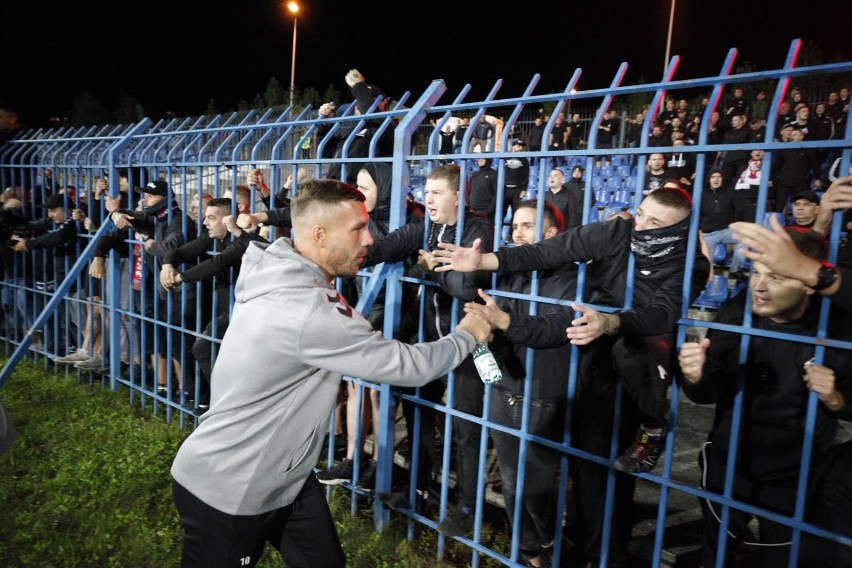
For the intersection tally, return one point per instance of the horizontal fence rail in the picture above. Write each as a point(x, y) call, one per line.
point(93, 286)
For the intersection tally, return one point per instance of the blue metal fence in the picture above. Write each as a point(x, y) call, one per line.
point(214, 155)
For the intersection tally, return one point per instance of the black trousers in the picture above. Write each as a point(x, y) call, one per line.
point(469, 393)
point(829, 502)
point(592, 417)
point(202, 349)
point(644, 365)
point(303, 532)
point(538, 506)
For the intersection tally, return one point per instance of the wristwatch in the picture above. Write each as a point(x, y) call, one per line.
point(826, 276)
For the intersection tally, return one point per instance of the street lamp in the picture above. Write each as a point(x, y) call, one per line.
point(294, 8)
point(668, 39)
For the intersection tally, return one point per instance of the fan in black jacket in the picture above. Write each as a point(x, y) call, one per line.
point(516, 331)
point(633, 345)
point(775, 384)
point(227, 255)
point(442, 201)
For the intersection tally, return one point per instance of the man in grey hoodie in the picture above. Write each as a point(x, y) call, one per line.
point(245, 476)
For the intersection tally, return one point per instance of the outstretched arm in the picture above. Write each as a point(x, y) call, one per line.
point(464, 259)
point(591, 325)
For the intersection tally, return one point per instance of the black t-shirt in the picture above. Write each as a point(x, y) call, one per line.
point(558, 134)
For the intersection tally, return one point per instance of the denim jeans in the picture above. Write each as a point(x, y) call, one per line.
point(546, 419)
point(724, 236)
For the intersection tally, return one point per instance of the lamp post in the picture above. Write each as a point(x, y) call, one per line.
point(668, 40)
point(294, 8)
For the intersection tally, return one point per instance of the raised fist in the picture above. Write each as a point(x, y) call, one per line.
point(354, 76)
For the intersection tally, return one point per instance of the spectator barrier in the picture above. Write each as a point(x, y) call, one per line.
point(214, 155)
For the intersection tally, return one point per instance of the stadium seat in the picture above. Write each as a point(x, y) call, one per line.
point(720, 254)
point(613, 183)
point(714, 294)
point(621, 199)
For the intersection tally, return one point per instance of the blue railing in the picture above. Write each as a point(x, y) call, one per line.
point(214, 154)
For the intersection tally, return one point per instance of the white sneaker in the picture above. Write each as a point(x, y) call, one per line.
point(90, 364)
point(75, 357)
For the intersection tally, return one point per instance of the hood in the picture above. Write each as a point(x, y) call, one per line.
point(271, 268)
point(381, 174)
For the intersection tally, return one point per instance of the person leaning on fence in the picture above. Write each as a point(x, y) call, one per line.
point(779, 377)
point(227, 255)
point(374, 181)
point(515, 332)
point(160, 227)
point(244, 477)
point(129, 286)
point(58, 233)
point(632, 345)
point(442, 205)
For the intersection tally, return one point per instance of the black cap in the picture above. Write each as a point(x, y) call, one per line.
point(806, 194)
point(518, 142)
point(54, 201)
point(158, 187)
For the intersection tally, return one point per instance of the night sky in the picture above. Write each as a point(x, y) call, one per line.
point(175, 55)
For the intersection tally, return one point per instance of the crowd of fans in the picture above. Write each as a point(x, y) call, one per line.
point(178, 268)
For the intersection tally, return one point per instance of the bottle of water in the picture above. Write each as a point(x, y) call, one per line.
point(486, 364)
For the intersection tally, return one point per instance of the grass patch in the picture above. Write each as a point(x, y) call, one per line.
point(87, 483)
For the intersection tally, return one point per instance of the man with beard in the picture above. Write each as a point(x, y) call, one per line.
point(245, 476)
point(634, 345)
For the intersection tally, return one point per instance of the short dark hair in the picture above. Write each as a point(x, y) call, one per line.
point(808, 241)
point(673, 197)
point(139, 175)
point(220, 202)
point(551, 213)
point(323, 192)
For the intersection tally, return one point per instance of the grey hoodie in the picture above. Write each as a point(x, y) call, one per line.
point(276, 378)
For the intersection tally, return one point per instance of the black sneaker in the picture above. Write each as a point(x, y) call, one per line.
point(367, 479)
point(643, 453)
point(341, 473)
point(457, 523)
point(135, 369)
point(398, 501)
point(339, 446)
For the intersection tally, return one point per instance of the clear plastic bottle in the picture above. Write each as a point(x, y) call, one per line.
point(486, 364)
